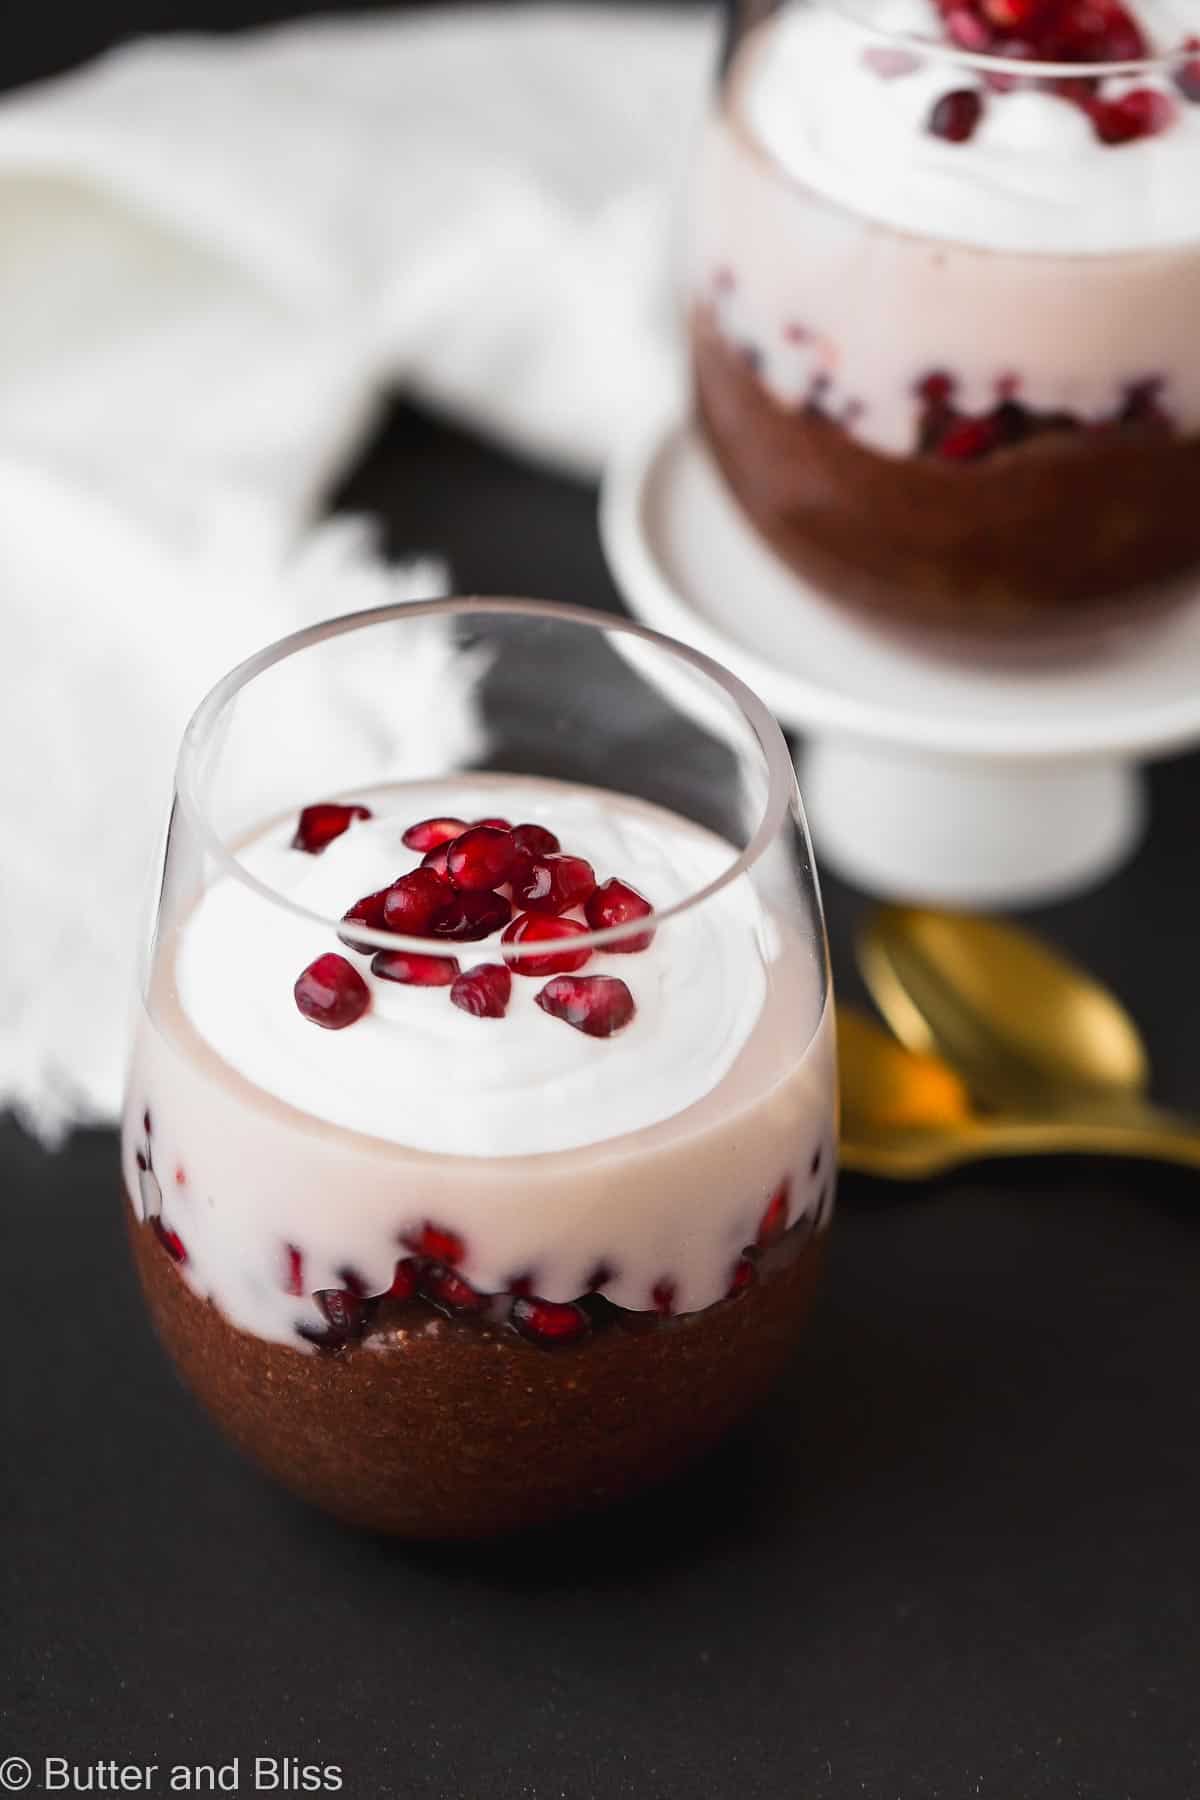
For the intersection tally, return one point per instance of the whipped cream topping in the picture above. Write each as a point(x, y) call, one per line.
point(417, 1071)
point(1034, 176)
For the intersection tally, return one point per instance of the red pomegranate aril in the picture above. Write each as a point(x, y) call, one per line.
point(331, 993)
point(367, 911)
point(936, 388)
point(320, 824)
point(468, 917)
point(480, 859)
point(535, 840)
point(404, 1279)
point(410, 903)
point(553, 884)
point(1142, 113)
point(414, 970)
point(966, 29)
point(494, 824)
point(968, 439)
point(427, 834)
point(483, 991)
point(449, 1289)
point(773, 1223)
point(170, 1240)
point(599, 1005)
point(293, 1270)
point(345, 1313)
point(435, 860)
point(616, 903)
point(531, 928)
point(436, 1241)
point(662, 1297)
point(955, 116)
point(548, 1322)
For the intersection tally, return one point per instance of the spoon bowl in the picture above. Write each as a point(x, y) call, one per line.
point(1023, 1027)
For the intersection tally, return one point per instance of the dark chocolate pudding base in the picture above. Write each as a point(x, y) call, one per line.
point(1028, 534)
point(439, 1428)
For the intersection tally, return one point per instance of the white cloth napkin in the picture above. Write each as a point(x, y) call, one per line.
point(218, 256)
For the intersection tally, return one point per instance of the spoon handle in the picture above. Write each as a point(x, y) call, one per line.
point(916, 1155)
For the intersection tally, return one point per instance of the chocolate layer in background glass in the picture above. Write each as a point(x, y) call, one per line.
point(944, 429)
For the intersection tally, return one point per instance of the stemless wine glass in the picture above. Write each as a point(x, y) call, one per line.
point(479, 1140)
point(945, 268)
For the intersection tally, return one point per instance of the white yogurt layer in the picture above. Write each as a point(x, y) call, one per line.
point(1034, 176)
point(419, 1072)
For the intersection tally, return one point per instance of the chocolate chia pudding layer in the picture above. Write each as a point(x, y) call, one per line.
point(440, 1427)
point(1047, 527)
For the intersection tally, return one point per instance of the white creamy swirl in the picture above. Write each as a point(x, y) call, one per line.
point(1034, 176)
point(419, 1072)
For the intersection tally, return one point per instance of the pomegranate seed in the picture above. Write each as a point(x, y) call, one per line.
point(1005, 14)
point(495, 824)
point(546, 1322)
point(435, 1241)
point(480, 859)
point(535, 840)
point(410, 903)
point(773, 1223)
point(969, 438)
point(414, 971)
point(936, 388)
point(445, 1287)
point(663, 1296)
point(331, 993)
point(1187, 75)
point(293, 1270)
point(146, 1123)
point(596, 1004)
point(404, 1279)
point(170, 1240)
point(140, 1159)
point(743, 1277)
point(615, 903)
point(436, 860)
point(320, 824)
point(955, 116)
point(469, 917)
point(180, 1175)
point(529, 928)
point(552, 884)
point(427, 834)
point(1142, 113)
point(367, 911)
point(346, 1313)
point(483, 991)
point(890, 63)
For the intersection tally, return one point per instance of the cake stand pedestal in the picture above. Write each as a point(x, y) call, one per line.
point(953, 782)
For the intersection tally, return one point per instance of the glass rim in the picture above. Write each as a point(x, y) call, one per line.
point(782, 789)
point(1032, 68)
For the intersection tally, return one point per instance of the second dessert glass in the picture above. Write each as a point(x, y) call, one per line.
point(944, 282)
point(479, 1143)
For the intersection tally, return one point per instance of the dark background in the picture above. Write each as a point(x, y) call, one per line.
point(958, 1556)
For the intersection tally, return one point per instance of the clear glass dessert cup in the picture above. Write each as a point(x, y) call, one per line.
point(943, 281)
point(479, 1144)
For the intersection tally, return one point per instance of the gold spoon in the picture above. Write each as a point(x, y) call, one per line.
point(905, 1114)
point(1025, 1029)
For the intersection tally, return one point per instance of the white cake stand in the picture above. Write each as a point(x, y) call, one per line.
point(925, 779)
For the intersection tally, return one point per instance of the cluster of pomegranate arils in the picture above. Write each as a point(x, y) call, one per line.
point(430, 1272)
point(473, 880)
point(957, 436)
point(1050, 31)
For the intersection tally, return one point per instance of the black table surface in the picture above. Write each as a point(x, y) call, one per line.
point(957, 1556)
